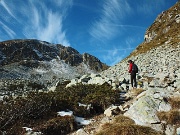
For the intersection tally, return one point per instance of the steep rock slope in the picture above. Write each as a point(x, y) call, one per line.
point(159, 52)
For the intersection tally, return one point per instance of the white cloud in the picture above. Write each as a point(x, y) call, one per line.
point(148, 7)
point(9, 31)
point(112, 13)
point(114, 55)
point(36, 19)
point(48, 25)
point(52, 30)
point(5, 6)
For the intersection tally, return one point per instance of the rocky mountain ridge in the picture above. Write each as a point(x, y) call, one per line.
point(30, 49)
point(42, 64)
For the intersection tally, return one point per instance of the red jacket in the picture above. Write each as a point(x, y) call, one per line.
point(130, 67)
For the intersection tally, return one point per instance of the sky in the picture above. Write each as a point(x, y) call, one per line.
point(107, 29)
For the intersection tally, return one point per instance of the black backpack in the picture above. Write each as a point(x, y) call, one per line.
point(135, 68)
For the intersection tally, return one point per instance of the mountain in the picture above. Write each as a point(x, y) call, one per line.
point(43, 63)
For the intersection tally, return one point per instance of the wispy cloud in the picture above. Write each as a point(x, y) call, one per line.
point(114, 55)
point(112, 12)
point(48, 25)
point(7, 8)
point(9, 31)
point(148, 7)
point(36, 19)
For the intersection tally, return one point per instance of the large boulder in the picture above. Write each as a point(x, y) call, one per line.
point(144, 109)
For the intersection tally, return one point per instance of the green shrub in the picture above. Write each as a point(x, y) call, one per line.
point(36, 108)
point(58, 126)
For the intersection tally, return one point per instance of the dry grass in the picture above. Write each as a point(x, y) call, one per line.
point(137, 91)
point(125, 126)
point(123, 120)
point(172, 117)
point(175, 102)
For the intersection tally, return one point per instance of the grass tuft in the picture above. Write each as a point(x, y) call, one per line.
point(125, 126)
point(175, 102)
point(172, 117)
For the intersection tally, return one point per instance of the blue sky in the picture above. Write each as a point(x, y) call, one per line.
point(107, 29)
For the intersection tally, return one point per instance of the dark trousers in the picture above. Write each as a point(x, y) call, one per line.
point(133, 80)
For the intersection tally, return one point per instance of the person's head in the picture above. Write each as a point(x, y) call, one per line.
point(130, 61)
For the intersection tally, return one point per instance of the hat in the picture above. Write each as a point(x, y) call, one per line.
point(129, 61)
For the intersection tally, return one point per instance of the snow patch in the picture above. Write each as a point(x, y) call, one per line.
point(40, 70)
point(38, 53)
point(63, 113)
point(88, 106)
point(82, 121)
point(27, 129)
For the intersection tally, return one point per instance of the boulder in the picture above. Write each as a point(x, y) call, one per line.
point(178, 131)
point(113, 110)
point(144, 110)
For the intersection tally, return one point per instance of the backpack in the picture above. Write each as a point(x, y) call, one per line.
point(135, 68)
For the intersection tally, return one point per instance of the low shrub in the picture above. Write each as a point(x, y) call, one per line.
point(36, 108)
point(58, 126)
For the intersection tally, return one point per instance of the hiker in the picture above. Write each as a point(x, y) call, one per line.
point(133, 70)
